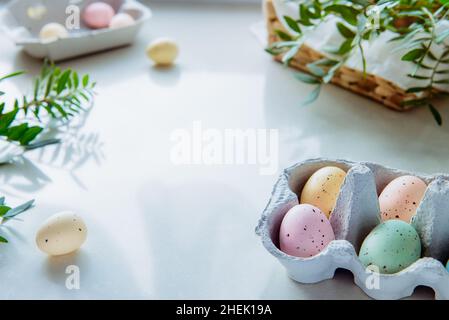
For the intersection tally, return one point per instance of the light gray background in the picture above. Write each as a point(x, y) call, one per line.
point(157, 230)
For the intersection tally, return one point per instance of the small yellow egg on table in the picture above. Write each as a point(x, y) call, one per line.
point(53, 31)
point(62, 233)
point(163, 51)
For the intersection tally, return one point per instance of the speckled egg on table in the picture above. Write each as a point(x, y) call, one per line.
point(401, 197)
point(322, 188)
point(61, 234)
point(391, 246)
point(305, 231)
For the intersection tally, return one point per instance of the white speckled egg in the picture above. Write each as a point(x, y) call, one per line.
point(53, 31)
point(62, 233)
point(163, 51)
point(121, 20)
point(401, 197)
point(322, 188)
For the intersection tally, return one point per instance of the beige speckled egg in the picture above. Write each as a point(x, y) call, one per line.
point(163, 51)
point(62, 233)
point(53, 31)
point(322, 188)
point(401, 197)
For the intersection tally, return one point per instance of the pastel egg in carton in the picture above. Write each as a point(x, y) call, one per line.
point(22, 20)
point(356, 213)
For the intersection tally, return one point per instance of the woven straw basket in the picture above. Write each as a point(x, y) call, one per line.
point(370, 85)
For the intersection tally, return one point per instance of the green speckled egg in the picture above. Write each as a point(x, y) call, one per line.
point(391, 246)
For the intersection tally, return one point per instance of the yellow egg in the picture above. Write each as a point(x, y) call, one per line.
point(163, 51)
point(322, 188)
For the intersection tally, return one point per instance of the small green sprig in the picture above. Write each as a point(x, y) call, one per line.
point(419, 52)
point(57, 94)
point(414, 22)
point(7, 213)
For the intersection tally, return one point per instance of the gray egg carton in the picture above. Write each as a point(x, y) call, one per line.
point(356, 213)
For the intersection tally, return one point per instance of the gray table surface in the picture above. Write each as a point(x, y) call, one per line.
point(160, 230)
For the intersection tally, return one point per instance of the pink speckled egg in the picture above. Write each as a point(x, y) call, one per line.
point(305, 231)
point(401, 197)
point(98, 15)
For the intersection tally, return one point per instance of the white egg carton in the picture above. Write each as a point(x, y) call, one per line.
point(356, 213)
point(23, 28)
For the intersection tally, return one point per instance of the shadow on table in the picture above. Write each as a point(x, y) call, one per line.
point(22, 175)
point(101, 276)
point(75, 150)
point(340, 287)
point(106, 67)
point(344, 125)
point(341, 124)
point(104, 272)
point(77, 147)
point(165, 76)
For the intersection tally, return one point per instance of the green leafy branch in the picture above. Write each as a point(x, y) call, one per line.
point(7, 213)
point(414, 22)
point(354, 30)
point(57, 94)
point(420, 53)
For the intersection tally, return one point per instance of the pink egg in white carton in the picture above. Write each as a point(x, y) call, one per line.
point(63, 29)
point(354, 216)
